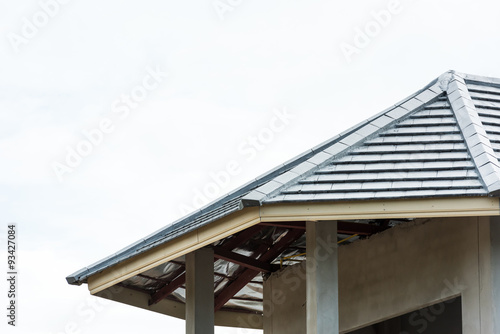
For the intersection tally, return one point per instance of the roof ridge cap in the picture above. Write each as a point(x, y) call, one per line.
point(474, 134)
point(445, 79)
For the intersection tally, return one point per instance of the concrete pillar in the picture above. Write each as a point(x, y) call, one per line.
point(495, 271)
point(200, 292)
point(322, 278)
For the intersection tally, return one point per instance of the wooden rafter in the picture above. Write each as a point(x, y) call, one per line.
point(168, 289)
point(248, 274)
point(245, 261)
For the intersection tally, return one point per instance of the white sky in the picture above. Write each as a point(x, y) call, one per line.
point(226, 80)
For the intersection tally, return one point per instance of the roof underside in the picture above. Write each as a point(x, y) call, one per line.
point(243, 260)
point(443, 141)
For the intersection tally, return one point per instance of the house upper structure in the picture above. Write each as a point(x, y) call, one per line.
point(351, 236)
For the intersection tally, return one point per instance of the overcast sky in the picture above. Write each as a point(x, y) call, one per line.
point(173, 94)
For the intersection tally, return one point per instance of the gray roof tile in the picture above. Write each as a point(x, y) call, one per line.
point(412, 104)
point(463, 164)
point(452, 173)
point(427, 95)
point(347, 186)
point(367, 130)
point(436, 88)
point(480, 139)
point(359, 195)
point(389, 194)
point(270, 187)
point(329, 196)
point(494, 188)
point(352, 139)
point(334, 177)
point(437, 184)
point(461, 103)
point(348, 167)
point(376, 185)
point(436, 109)
point(476, 192)
point(490, 124)
point(483, 89)
point(466, 183)
point(454, 95)
point(397, 112)
point(303, 168)
point(319, 158)
point(317, 187)
point(382, 121)
point(298, 197)
point(296, 188)
point(485, 158)
point(379, 166)
point(336, 148)
point(420, 193)
point(490, 107)
point(286, 177)
point(406, 184)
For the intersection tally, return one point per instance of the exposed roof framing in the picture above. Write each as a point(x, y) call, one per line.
point(248, 274)
point(252, 266)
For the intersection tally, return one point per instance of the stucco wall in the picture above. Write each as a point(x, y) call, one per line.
point(399, 271)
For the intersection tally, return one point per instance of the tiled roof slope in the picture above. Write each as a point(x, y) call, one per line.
point(441, 141)
point(486, 99)
point(423, 155)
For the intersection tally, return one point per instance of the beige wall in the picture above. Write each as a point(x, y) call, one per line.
point(401, 270)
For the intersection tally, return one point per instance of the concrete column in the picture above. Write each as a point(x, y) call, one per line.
point(495, 271)
point(322, 278)
point(200, 292)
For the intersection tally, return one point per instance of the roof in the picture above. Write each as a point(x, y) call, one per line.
point(442, 141)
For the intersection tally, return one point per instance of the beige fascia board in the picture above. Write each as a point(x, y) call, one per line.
point(177, 309)
point(206, 235)
point(171, 250)
point(414, 208)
